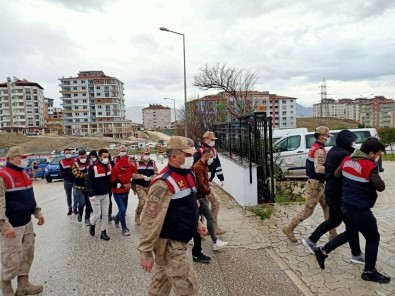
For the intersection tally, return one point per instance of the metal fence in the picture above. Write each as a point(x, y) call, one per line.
point(249, 142)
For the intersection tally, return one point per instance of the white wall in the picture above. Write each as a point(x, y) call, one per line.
point(237, 182)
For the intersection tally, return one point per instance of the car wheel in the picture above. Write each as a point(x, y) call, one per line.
point(49, 179)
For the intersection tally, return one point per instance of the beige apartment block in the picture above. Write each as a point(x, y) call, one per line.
point(21, 107)
point(94, 104)
point(156, 116)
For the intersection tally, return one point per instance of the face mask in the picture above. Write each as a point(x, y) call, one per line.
point(93, 158)
point(105, 160)
point(83, 160)
point(24, 163)
point(68, 156)
point(123, 153)
point(325, 139)
point(353, 144)
point(377, 158)
point(210, 161)
point(188, 163)
point(146, 157)
point(212, 143)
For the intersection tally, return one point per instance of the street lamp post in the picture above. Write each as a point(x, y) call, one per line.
point(185, 77)
point(175, 115)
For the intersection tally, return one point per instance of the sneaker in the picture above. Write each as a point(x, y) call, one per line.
point(375, 276)
point(87, 222)
point(201, 258)
point(116, 222)
point(360, 259)
point(79, 217)
point(125, 232)
point(309, 245)
point(320, 257)
point(219, 244)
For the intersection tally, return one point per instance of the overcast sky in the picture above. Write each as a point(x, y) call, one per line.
point(293, 44)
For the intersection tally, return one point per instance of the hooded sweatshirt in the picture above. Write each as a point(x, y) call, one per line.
point(334, 157)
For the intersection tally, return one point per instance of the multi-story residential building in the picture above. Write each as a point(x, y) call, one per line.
point(94, 104)
point(375, 112)
point(282, 109)
point(21, 106)
point(156, 116)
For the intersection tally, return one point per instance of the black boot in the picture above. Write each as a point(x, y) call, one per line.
point(69, 212)
point(92, 230)
point(79, 217)
point(104, 236)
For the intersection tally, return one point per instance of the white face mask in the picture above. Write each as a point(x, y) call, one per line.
point(377, 158)
point(210, 161)
point(122, 153)
point(146, 157)
point(188, 163)
point(105, 160)
point(353, 144)
point(67, 156)
point(24, 163)
point(212, 144)
point(83, 160)
point(93, 158)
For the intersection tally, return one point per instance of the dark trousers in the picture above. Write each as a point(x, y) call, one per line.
point(110, 207)
point(197, 244)
point(83, 202)
point(334, 220)
point(365, 223)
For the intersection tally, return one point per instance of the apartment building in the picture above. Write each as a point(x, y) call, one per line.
point(21, 107)
point(94, 104)
point(282, 109)
point(375, 112)
point(156, 116)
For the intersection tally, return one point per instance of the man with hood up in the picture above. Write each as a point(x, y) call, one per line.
point(345, 143)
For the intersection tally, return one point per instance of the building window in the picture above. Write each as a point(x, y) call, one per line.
point(83, 101)
point(82, 81)
point(85, 113)
point(108, 113)
point(99, 106)
point(75, 95)
point(84, 95)
point(83, 87)
point(75, 81)
point(98, 94)
point(99, 113)
point(97, 87)
point(75, 88)
point(75, 101)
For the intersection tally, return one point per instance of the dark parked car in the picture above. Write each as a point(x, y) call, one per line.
point(42, 164)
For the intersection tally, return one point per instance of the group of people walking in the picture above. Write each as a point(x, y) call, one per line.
point(344, 182)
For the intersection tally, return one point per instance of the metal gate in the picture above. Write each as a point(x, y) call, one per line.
point(249, 142)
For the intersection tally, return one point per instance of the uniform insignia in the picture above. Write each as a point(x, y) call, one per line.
point(180, 183)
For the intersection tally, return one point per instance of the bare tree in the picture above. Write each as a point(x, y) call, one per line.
point(235, 83)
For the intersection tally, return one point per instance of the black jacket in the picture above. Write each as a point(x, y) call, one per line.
point(335, 156)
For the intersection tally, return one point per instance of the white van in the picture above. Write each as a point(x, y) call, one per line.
point(293, 149)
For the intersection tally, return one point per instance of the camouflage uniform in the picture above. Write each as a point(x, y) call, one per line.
point(314, 193)
point(173, 268)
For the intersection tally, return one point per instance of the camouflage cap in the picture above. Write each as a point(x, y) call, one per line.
point(17, 151)
point(181, 143)
point(145, 150)
point(210, 135)
point(323, 130)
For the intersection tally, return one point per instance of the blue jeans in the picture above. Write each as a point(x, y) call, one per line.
point(83, 201)
point(122, 201)
point(68, 187)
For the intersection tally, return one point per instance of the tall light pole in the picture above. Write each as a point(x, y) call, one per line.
point(175, 115)
point(185, 77)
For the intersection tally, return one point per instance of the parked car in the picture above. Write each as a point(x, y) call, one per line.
point(293, 149)
point(52, 171)
point(42, 164)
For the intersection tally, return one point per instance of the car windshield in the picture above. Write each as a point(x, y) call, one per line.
point(55, 160)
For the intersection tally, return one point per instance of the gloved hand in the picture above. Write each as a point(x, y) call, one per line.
point(119, 185)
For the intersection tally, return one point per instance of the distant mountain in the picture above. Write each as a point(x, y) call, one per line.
point(302, 111)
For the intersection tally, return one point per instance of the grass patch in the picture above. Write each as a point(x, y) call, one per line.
point(389, 157)
point(262, 211)
point(286, 199)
